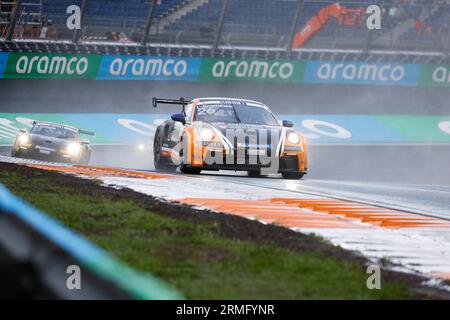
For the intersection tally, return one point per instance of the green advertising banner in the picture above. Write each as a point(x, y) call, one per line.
point(213, 69)
point(52, 66)
point(91, 66)
point(432, 75)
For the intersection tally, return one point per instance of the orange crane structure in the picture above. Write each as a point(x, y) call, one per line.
point(350, 17)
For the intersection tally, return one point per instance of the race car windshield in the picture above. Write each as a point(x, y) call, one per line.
point(235, 113)
point(54, 132)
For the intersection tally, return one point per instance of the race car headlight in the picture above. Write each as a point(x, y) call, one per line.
point(292, 137)
point(24, 139)
point(73, 149)
point(207, 134)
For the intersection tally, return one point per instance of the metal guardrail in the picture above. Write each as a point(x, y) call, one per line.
point(44, 248)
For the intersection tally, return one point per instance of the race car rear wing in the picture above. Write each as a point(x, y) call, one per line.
point(90, 133)
point(81, 131)
point(180, 101)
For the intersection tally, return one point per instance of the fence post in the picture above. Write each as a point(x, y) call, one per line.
point(77, 33)
point(148, 26)
point(13, 20)
point(220, 26)
point(446, 41)
point(298, 13)
point(369, 40)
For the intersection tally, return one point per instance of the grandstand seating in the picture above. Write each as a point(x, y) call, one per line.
point(268, 22)
point(435, 31)
point(112, 9)
point(250, 23)
point(107, 15)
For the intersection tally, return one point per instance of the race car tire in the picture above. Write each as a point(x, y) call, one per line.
point(159, 164)
point(254, 173)
point(86, 157)
point(16, 154)
point(189, 170)
point(292, 175)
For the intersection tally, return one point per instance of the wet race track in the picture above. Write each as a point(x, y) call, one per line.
point(387, 202)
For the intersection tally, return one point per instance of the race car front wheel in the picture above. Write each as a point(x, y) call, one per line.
point(189, 170)
point(15, 154)
point(85, 158)
point(254, 173)
point(292, 175)
point(158, 161)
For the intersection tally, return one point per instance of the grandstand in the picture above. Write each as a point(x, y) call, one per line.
point(418, 29)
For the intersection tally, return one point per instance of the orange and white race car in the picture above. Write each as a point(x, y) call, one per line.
point(228, 134)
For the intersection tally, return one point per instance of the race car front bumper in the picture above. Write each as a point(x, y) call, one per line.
point(217, 159)
point(53, 155)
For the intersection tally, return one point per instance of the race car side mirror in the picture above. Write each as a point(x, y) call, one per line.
point(179, 117)
point(23, 130)
point(287, 124)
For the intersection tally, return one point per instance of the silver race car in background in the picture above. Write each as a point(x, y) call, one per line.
point(52, 142)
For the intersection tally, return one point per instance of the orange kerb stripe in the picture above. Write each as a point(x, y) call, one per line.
point(64, 169)
point(317, 213)
point(442, 275)
point(129, 173)
point(276, 213)
point(376, 216)
point(99, 171)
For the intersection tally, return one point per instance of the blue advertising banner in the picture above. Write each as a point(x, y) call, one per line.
point(148, 68)
point(3, 62)
point(362, 73)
